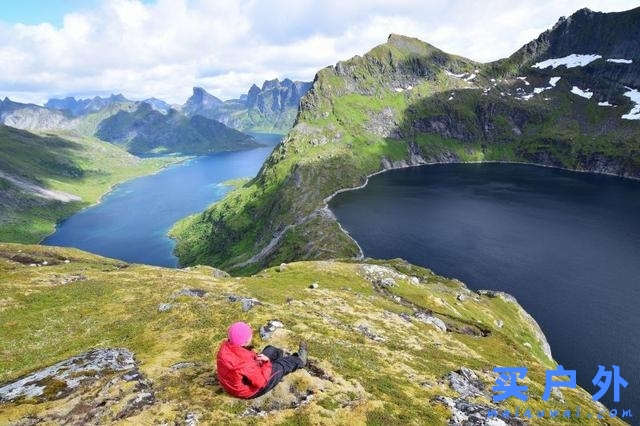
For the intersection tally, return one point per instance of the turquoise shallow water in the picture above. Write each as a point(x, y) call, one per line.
point(565, 244)
point(132, 221)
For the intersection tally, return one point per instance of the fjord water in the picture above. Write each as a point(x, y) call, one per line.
point(565, 244)
point(131, 222)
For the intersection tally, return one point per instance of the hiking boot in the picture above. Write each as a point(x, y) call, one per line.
point(303, 353)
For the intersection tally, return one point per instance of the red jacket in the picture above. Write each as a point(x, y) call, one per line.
point(239, 371)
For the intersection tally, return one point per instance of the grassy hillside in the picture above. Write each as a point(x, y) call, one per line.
point(406, 103)
point(146, 130)
point(379, 351)
point(79, 170)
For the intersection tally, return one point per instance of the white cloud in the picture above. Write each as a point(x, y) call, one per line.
point(164, 48)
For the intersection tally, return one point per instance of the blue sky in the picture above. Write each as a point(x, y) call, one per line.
point(38, 11)
point(162, 48)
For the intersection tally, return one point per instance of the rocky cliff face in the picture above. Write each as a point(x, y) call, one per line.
point(550, 103)
point(271, 108)
point(202, 103)
point(610, 35)
point(276, 96)
point(31, 117)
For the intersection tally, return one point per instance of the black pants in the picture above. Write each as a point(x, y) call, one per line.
point(281, 365)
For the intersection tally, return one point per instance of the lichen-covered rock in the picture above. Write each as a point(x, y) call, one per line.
point(192, 292)
point(66, 376)
point(376, 273)
point(96, 387)
point(369, 332)
point(466, 382)
point(247, 302)
point(219, 273)
point(164, 307)
point(432, 320)
point(267, 330)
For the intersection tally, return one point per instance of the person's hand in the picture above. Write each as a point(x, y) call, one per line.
point(262, 358)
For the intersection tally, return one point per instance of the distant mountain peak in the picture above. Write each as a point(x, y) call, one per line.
point(201, 95)
point(158, 104)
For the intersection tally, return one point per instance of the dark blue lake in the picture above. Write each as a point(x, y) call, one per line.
point(565, 244)
point(132, 221)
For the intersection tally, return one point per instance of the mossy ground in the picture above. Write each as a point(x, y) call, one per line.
point(43, 320)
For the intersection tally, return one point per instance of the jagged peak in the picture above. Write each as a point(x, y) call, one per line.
point(269, 84)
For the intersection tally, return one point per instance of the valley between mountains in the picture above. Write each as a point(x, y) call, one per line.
point(93, 340)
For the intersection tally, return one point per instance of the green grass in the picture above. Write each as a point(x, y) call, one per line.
point(43, 321)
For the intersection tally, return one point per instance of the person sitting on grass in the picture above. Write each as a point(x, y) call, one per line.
point(246, 374)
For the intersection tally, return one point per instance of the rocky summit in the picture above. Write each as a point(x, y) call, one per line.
point(556, 102)
point(120, 342)
point(271, 108)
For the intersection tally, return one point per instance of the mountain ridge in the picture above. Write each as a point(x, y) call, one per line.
point(406, 103)
point(146, 130)
point(270, 108)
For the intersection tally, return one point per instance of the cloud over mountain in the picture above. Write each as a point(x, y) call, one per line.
point(164, 48)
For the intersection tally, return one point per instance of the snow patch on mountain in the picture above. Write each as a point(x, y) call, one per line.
point(571, 61)
point(449, 73)
point(583, 93)
point(634, 114)
point(553, 81)
point(620, 61)
point(605, 104)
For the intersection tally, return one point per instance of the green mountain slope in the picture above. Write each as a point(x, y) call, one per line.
point(408, 103)
point(47, 177)
point(146, 130)
point(390, 343)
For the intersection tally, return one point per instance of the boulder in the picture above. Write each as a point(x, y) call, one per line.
point(164, 307)
point(386, 282)
point(66, 376)
point(192, 292)
point(369, 333)
point(430, 319)
point(465, 382)
point(219, 273)
point(247, 302)
point(267, 330)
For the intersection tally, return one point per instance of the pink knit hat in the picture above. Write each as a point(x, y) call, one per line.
point(240, 333)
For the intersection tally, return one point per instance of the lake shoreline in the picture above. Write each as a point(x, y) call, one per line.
point(328, 199)
point(132, 221)
point(539, 235)
point(181, 160)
